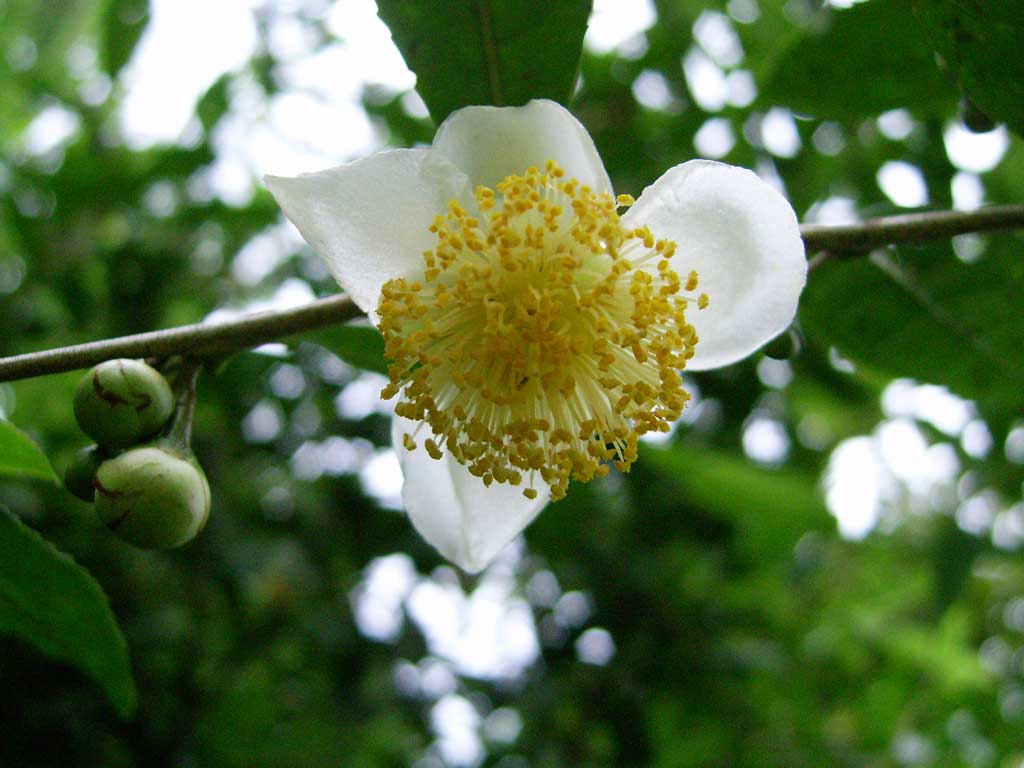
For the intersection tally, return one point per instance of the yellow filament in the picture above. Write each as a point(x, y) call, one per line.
point(544, 337)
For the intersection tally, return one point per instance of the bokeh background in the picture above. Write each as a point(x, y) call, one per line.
point(820, 566)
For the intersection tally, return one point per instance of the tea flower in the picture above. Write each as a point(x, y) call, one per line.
point(534, 332)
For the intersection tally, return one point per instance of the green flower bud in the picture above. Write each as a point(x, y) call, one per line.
point(80, 471)
point(120, 403)
point(153, 496)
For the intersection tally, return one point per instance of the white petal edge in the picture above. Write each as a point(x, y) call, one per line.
point(466, 521)
point(490, 143)
point(743, 238)
point(369, 219)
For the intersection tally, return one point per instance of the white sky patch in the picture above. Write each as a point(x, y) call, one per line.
point(1008, 529)
point(828, 139)
point(715, 34)
point(833, 210)
point(1014, 445)
point(903, 183)
point(741, 87)
point(361, 397)
point(865, 475)
point(896, 124)
point(744, 11)
point(976, 440)
point(706, 80)
point(977, 513)
point(595, 646)
point(263, 422)
point(381, 478)
point(488, 634)
point(187, 45)
point(332, 456)
point(377, 600)
point(779, 133)
point(855, 484)
point(765, 440)
point(53, 127)
point(614, 22)
point(264, 253)
point(316, 121)
point(503, 725)
point(774, 373)
point(715, 138)
point(928, 402)
point(968, 191)
point(651, 89)
point(969, 247)
point(293, 292)
point(456, 723)
point(976, 152)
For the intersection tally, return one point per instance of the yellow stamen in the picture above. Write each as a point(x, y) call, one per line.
point(544, 337)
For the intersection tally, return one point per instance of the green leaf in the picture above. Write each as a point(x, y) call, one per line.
point(52, 602)
point(771, 509)
point(501, 52)
point(20, 456)
point(928, 316)
point(861, 61)
point(123, 23)
point(980, 46)
point(357, 345)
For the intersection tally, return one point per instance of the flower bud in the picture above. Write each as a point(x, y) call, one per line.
point(153, 496)
point(81, 470)
point(120, 403)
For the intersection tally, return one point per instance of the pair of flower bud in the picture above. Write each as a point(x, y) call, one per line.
point(151, 494)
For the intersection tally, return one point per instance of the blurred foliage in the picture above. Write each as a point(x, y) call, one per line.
point(746, 630)
point(979, 45)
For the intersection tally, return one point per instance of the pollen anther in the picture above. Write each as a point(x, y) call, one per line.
point(543, 337)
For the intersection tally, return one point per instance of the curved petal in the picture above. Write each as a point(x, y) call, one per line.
point(454, 511)
point(368, 220)
point(490, 143)
point(743, 239)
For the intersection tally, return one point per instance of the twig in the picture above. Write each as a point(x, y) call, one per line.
point(207, 339)
point(856, 239)
point(198, 340)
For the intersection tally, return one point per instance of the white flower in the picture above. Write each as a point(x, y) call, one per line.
point(534, 334)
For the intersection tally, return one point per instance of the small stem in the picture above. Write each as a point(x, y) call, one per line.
point(179, 431)
point(208, 339)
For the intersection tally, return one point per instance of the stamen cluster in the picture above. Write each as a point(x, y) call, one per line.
point(544, 337)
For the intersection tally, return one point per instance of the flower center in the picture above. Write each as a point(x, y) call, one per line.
point(544, 337)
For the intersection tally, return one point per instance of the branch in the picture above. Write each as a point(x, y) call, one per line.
point(855, 239)
point(198, 340)
point(208, 339)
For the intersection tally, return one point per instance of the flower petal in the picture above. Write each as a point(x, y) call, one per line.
point(454, 511)
point(368, 220)
point(743, 239)
point(490, 143)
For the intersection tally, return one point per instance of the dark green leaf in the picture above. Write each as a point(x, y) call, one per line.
point(53, 603)
point(358, 345)
point(980, 45)
point(862, 61)
point(928, 316)
point(771, 509)
point(214, 103)
point(123, 24)
point(20, 456)
point(502, 52)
